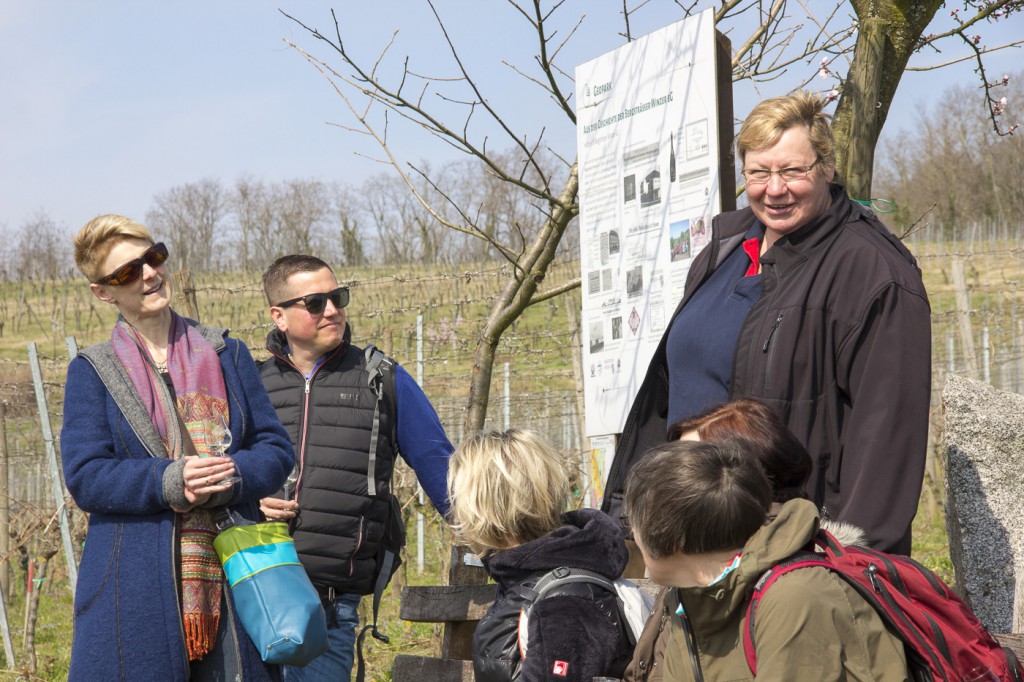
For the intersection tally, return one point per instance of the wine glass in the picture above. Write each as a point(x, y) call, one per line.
point(219, 443)
point(290, 483)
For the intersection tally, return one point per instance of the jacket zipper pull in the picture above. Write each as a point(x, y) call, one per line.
point(778, 321)
point(873, 577)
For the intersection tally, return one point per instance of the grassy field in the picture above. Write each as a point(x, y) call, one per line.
point(384, 309)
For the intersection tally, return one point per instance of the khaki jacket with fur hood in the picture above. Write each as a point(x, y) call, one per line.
point(811, 625)
point(649, 655)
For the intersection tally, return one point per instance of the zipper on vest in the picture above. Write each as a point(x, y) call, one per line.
point(302, 439)
point(301, 454)
point(771, 356)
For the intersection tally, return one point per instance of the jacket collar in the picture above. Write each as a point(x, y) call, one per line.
point(716, 607)
point(795, 248)
point(589, 539)
point(277, 342)
point(115, 378)
point(214, 335)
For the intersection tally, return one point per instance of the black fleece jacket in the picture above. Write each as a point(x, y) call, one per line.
point(574, 634)
point(839, 344)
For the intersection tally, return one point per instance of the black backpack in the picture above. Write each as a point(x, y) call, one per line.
point(632, 605)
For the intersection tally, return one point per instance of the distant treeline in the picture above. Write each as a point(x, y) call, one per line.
point(952, 170)
point(210, 226)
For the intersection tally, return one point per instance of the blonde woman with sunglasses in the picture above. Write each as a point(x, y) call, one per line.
point(146, 416)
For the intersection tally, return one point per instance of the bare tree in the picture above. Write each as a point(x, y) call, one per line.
point(302, 209)
point(952, 169)
point(253, 209)
point(189, 217)
point(772, 38)
point(382, 199)
point(351, 250)
point(39, 250)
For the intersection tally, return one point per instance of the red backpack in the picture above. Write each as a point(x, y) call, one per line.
point(943, 639)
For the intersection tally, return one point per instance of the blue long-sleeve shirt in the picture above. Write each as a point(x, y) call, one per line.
point(422, 441)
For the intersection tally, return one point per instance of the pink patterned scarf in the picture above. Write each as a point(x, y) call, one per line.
point(201, 400)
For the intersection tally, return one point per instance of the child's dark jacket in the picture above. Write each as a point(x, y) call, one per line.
point(572, 636)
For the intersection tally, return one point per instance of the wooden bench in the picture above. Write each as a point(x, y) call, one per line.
point(459, 605)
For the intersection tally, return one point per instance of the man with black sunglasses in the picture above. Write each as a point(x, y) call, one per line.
point(350, 412)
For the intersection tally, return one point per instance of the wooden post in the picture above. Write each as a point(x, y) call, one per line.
point(457, 640)
point(185, 294)
point(5, 510)
point(459, 605)
point(6, 629)
point(963, 314)
point(57, 485)
point(726, 158)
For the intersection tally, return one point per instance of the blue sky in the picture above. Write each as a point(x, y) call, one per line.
point(106, 103)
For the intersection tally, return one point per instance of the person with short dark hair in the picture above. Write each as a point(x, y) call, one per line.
point(700, 516)
point(349, 414)
point(787, 465)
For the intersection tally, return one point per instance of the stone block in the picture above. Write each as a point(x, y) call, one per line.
point(983, 447)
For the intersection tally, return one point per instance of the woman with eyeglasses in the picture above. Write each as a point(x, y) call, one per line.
point(145, 415)
point(805, 301)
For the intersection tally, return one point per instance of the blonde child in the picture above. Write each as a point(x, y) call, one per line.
point(509, 493)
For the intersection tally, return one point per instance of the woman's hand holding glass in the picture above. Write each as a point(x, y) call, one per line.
point(205, 475)
point(219, 443)
point(210, 473)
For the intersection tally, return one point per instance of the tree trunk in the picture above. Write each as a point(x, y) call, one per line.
point(517, 295)
point(862, 85)
point(32, 612)
point(902, 24)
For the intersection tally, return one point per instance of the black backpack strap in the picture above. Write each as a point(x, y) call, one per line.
point(553, 582)
point(563, 575)
point(374, 378)
point(380, 376)
point(378, 590)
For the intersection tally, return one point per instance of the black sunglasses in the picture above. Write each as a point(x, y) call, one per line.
point(315, 303)
point(154, 256)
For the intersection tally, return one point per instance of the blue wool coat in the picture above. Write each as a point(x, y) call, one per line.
point(127, 617)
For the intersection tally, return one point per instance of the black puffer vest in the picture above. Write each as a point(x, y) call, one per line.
point(339, 527)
